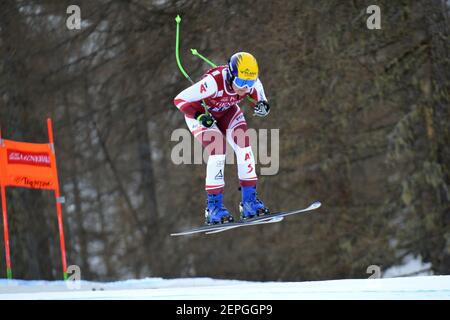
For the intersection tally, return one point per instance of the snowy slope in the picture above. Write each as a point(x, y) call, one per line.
point(428, 287)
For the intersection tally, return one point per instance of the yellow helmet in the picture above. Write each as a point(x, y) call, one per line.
point(243, 69)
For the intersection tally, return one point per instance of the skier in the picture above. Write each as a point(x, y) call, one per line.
point(221, 89)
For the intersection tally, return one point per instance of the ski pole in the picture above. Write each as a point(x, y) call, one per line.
point(177, 56)
point(195, 53)
point(177, 50)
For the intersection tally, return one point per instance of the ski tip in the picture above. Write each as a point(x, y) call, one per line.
point(316, 204)
point(181, 233)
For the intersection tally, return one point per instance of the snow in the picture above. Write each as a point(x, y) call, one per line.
point(404, 288)
point(411, 266)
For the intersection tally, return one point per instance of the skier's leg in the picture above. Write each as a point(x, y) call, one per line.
point(238, 138)
point(235, 126)
point(213, 141)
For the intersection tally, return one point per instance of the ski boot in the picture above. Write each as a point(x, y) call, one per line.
point(251, 206)
point(215, 211)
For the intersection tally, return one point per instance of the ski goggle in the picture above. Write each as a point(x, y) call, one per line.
point(241, 83)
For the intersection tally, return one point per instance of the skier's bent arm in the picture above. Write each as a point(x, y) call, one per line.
point(205, 88)
point(258, 93)
point(261, 106)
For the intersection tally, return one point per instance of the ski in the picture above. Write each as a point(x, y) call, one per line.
point(270, 218)
point(251, 223)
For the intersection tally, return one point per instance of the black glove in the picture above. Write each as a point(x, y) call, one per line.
point(262, 108)
point(206, 120)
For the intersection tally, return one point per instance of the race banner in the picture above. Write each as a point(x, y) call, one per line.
point(30, 165)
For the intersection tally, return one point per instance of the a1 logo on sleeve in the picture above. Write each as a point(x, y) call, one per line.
point(203, 87)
